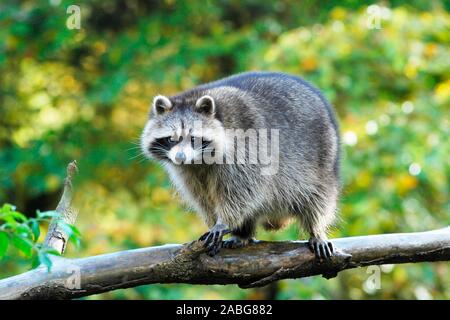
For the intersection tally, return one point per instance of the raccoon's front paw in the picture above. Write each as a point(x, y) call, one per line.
point(323, 249)
point(236, 242)
point(213, 238)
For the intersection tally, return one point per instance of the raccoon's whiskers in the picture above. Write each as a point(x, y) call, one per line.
point(137, 156)
point(134, 148)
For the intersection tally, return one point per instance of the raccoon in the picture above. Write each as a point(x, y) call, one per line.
point(235, 196)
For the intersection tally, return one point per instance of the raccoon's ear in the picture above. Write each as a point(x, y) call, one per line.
point(161, 104)
point(205, 105)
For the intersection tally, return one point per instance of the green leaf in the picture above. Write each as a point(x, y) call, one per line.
point(24, 230)
point(75, 241)
point(8, 218)
point(9, 225)
point(4, 241)
point(47, 214)
point(52, 251)
point(18, 216)
point(7, 208)
point(75, 231)
point(45, 260)
point(8, 213)
point(72, 232)
point(35, 229)
point(35, 262)
point(23, 245)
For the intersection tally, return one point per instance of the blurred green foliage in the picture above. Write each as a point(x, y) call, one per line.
point(23, 233)
point(84, 94)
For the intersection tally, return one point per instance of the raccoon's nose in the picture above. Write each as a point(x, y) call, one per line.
point(180, 157)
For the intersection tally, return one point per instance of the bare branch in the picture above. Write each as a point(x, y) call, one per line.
point(56, 237)
point(252, 266)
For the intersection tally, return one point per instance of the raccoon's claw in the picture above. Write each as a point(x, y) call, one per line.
point(213, 239)
point(323, 249)
point(236, 242)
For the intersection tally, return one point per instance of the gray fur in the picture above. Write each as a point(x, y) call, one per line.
point(306, 185)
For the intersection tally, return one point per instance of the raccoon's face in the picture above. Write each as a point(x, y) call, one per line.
point(182, 131)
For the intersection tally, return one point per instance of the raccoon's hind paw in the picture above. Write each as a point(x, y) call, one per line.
point(323, 249)
point(236, 242)
point(213, 239)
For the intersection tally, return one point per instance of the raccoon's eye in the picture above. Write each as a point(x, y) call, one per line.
point(167, 142)
point(172, 139)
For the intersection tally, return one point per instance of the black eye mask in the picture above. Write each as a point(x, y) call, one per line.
point(165, 143)
point(159, 147)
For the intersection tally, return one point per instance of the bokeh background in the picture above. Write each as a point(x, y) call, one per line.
point(84, 94)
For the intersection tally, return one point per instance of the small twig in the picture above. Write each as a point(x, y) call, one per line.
point(56, 237)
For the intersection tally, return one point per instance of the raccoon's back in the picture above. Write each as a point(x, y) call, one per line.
point(309, 133)
point(282, 98)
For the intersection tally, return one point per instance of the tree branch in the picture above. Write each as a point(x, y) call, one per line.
point(252, 266)
point(56, 237)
